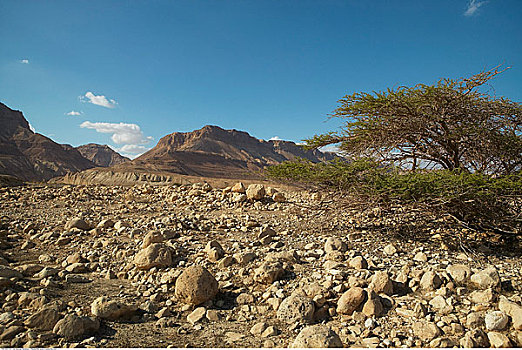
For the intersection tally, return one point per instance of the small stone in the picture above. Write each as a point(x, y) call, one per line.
point(317, 336)
point(269, 272)
point(496, 321)
point(358, 263)
point(74, 327)
point(197, 315)
point(512, 309)
point(482, 296)
point(269, 332)
point(430, 281)
point(238, 188)
point(475, 338)
point(196, 285)
point(333, 244)
point(350, 300)
point(255, 191)
point(296, 309)
point(233, 336)
point(373, 307)
point(151, 238)
point(245, 298)
point(212, 315)
point(258, 328)
point(112, 310)
point(421, 257)
point(390, 249)
point(498, 340)
point(155, 255)
point(381, 283)
point(487, 278)
point(475, 320)
point(77, 223)
point(11, 332)
point(459, 273)
point(426, 331)
point(278, 197)
point(440, 304)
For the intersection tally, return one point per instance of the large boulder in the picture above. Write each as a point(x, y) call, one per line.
point(111, 310)
point(255, 191)
point(43, 320)
point(155, 255)
point(381, 283)
point(317, 336)
point(350, 300)
point(196, 285)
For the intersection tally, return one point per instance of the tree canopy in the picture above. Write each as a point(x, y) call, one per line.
point(450, 125)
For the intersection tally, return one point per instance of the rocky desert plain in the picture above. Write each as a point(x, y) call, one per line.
point(120, 257)
point(243, 266)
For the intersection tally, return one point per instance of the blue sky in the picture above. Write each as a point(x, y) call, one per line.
point(134, 71)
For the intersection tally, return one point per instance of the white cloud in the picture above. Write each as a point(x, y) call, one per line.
point(74, 113)
point(275, 138)
point(24, 61)
point(473, 6)
point(330, 148)
point(99, 100)
point(122, 133)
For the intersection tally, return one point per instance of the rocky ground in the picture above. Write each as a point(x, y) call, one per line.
point(190, 265)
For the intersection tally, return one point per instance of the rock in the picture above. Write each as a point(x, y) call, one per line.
point(197, 315)
point(258, 328)
point(475, 338)
point(196, 285)
point(278, 197)
point(269, 272)
point(213, 315)
point(77, 223)
point(475, 320)
point(238, 188)
point(426, 331)
point(270, 331)
point(214, 251)
point(256, 192)
point(498, 340)
point(11, 332)
point(358, 263)
point(430, 281)
point(296, 309)
point(373, 306)
point(350, 300)
point(152, 237)
point(74, 327)
point(459, 273)
point(390, 249)
point(441, 305)
point(317, 336)
point(334, 244)
point(43, 320)
point(8, 272)
point(381, 283)
point(487, 278)
point(496, 321)
point(233, 337)
point(421, 257)
point(111, 310)
point(442, 343)
point(245, 298)
point(155, 255)
point(105, 223)
point(482, 296)
point(513, 310)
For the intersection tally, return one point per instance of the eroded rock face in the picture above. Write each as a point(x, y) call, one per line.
point(196, 285)
point(317, 336)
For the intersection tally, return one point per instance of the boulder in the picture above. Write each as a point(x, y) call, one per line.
point(334, 244)
point(269, 272)
point(74, 327)
point(43, 320)
point(296, 308)
point(350, 300)
point(112, 310)
point(459, 273)
point(381, 283)
point(487, 278)
point(77, 223)
point(196, 285)
point(255, 192)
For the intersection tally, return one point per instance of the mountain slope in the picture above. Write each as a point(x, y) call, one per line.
point(101, 155)
point(214, 152)
point(32, 156)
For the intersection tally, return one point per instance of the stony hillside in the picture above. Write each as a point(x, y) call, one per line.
point(32, 156)
point(246, 266)
point(101, 155)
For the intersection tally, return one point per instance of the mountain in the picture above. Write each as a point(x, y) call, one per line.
point(101, 155)
point(215, 152)
point(31, 156)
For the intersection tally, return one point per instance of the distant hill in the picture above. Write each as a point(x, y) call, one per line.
point(32, 156)
point(101, 155)
point(215, 152)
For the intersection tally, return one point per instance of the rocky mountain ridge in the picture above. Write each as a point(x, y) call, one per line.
point(101, 155)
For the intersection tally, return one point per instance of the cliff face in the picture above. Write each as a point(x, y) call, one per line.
point(32, 156)
point(101, 155)
point(214, 152)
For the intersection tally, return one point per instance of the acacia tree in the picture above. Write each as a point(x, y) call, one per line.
point(450, 124)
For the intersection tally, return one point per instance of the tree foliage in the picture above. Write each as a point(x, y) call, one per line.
point(449, 125)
